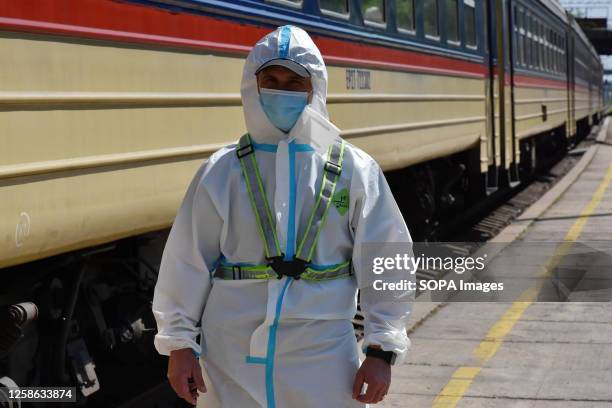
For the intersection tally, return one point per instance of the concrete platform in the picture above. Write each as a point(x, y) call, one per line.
point(528, 353)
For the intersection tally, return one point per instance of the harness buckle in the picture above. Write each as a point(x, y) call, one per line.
point(249, 149)
point(332, 168)
point(293, 268)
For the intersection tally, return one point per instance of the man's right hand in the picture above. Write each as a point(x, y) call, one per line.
point(183, 368)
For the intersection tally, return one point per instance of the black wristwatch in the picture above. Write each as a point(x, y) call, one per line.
point(388, 356)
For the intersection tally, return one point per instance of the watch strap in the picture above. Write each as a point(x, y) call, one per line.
point(388, 356)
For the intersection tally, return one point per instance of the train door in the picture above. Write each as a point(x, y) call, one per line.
point(511, 35)
point(503, 148)
point(569, 68)
point(493, 139)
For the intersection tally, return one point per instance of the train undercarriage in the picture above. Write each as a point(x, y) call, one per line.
point(92, 327)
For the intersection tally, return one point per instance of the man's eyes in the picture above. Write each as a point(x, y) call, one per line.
point(268, 82)
point(292, 84)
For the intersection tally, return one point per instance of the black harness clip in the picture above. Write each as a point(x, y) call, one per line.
point(293, 268)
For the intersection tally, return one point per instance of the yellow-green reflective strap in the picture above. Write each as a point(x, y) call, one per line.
point(257, 197)
point(261, 208)
point(331, 173)
point(228, 271)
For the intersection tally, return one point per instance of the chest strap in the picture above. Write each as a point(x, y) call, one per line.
point(265, 223)
point(229, 271)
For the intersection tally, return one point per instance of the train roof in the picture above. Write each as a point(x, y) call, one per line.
point(576, 27)
point(556, 8)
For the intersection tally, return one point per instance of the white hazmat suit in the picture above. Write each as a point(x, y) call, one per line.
point(279, 342)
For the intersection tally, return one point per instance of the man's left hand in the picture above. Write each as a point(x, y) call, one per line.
point(377, 374)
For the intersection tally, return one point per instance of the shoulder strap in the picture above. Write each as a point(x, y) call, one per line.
point(331, 173)
point(261, 208)
point(257, 197)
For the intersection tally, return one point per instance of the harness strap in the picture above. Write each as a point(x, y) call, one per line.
point(235, 272)
point(297, 267)
point(331, 173)
point(257, 197)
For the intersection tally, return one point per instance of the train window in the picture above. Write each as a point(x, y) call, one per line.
point(543, 45)
point(534, 44)
point(544, 49)
point(560, 52)
point(452, 21)
point(538, 48)
point(430, 11)
point(550, 49)
point(557, 53)
point(405, 14)
point(523, 38)
point(515, 35)
point(563, 58)
point(553, 60)
point(551, 57)
point(558, 49)
point(469, 16)
point(517, 38)
point(553, 51)
point(529, 48)
point(335, 7)
point(520, 34)
point(373, 11)
point(518, 24)
point(290, 3)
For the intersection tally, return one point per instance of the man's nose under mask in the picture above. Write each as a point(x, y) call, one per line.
point(283, 108)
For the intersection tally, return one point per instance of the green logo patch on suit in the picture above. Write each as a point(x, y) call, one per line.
point(341, 201)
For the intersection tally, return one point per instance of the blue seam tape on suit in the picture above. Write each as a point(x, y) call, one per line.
point(272, 349)
point(283, 46)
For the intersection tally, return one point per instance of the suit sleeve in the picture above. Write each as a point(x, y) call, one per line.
point(184, 282)
point(379, 228)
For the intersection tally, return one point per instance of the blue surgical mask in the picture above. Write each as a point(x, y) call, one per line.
point(283, 108)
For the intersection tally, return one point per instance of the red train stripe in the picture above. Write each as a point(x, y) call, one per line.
point(528, 80)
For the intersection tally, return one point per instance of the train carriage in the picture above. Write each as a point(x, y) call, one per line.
point(109, 106)
point(540, 85)
point(586, 77)
point(147, 90)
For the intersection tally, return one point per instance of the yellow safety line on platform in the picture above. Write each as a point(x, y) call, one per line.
point(462, 378)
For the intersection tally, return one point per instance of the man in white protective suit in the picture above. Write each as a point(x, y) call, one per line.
point(262, 259)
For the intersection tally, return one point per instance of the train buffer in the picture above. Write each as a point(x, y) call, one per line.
point(550, 343)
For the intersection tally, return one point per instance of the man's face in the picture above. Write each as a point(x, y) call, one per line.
point(277, 77)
